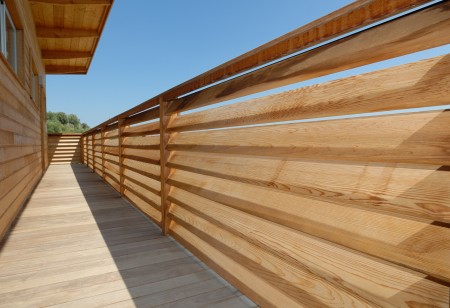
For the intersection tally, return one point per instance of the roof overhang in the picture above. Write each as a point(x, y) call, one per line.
point(68, 32)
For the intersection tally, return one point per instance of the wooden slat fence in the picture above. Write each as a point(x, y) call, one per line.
point(346, 212)
point(64, 148)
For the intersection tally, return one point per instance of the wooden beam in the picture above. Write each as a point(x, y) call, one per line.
point(73, 2)
point(422, 30)
point(57, 33)
point(165, 136)
point(63, 54)
point(65, 69)
point(121, 127)
point(349, 18)
point(352, 95)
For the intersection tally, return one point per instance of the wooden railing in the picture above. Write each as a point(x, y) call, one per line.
point(64, 148)
point(347, 212)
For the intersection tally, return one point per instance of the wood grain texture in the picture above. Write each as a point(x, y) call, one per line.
point(349, 18)
point(419, 84)
point(419, 191)
point(22, 120)
point(393, 238)
point(411, 33)
point(405, 138)
point(68, 32)
point(324, 262)
point(78, 244)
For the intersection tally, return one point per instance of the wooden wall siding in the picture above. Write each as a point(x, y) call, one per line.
point(352, 212)
point(64, 148)
point(22, 122)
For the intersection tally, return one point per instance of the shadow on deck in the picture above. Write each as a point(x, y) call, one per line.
point(78, 243)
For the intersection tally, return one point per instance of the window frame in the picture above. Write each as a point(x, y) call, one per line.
point(4, 16)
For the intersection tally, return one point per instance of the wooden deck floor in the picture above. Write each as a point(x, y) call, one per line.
point(78, 244)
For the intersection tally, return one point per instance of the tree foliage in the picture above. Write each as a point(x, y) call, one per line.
point(59, 122)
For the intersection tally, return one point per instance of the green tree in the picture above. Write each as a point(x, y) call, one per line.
point(59, 122)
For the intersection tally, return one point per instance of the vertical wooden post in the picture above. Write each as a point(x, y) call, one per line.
point(102, 136)
point(43, 118)
point(164, 121)
point(121, 168)
point(93, 151)
point(82, 148)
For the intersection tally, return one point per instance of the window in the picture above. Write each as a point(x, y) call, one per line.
point(7, 36)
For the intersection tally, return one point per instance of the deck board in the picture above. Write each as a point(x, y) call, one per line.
point(78, 244)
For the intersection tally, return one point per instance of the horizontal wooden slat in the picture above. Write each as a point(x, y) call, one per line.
point(406, 138)
point(314, 257)
point(419, 191)
point(146, 169)
point(419, 84)
point(65, 69)
point(73, 2)
point(298, 284)
point(143, 153)
point(148, 182)
point(143, 193)
point(144, 207)
point(141, 141)
point(417, 245)
point(142, 130)
point(148, 115)
point(344, 20)
point(415, 32)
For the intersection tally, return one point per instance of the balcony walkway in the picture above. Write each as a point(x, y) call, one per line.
point(78, 244)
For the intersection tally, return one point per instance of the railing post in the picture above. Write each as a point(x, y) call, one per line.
point(121, 168)
point(164, 121)
point(102, 136)
point(93, 151)
point(82, 148)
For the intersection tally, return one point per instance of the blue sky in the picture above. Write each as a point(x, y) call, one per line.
point(148, 47)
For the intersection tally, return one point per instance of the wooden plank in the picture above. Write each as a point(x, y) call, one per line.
point(286, 250)
point(165, 136)
point(55, 33)
point(146, 169)
point(299, 284)
point(8, 218)
point(62, 54)
point(420, 84)
point(422, 30)
point(252, 285)
point(146, 141)
point(405, 138)
point(144, 116)
point(65, 69)
point(150, 183)
point(141, 153)
point(392, 238)
point(73, 2)
point(143, 206)
point(421, 191)
point(103, 150)
point(121, 128)
point(342, 21)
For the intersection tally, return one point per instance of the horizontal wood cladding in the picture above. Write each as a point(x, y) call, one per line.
point(352, 211)
point(64, 148)
point(22, 135)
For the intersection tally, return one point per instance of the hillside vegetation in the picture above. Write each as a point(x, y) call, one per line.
point(59, 122)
